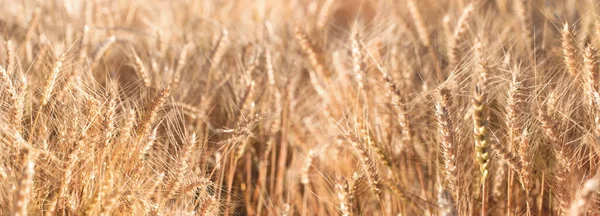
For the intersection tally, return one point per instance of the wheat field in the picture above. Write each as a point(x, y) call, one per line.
point(299, 107)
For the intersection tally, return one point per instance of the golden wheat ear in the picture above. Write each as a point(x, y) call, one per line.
point(23, 192)
point(570, 50)
point(445, 128)
point(585, 195)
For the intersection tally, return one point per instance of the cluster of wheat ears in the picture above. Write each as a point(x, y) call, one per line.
point(300, 107)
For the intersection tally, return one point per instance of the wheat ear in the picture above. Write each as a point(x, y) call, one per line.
point(419, 24)
point(480, 127)
point(23, 191)
point(591, 70)
point(458, 36)
point(445, 128)
point(570, 52)
point(150, 115)
point(584, 197)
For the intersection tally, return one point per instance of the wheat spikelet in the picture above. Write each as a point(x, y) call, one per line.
point(149, 116)
point(342, 190)
point(570, 50)
point(585, 194)
point(101, 49)
point(10, 56)
point(480, 133)
point(445, 202)
point(369, 167)
point(141, 70)
point(366, 138)
point(514, 110)
point(126, 127)
point(445, 128)
point(304, 179)
point(562, 176)
point(357, 58)
point(219, 49)
point(108, 122)
point(146, 146)
point(182, 60)
point(398, 105)
point(591, 70)
point(15, 96)
point(480, 121)
point(324, 13)
point(526, 160)
point(458, 36)
point(314, 57)
point(51, 81)
point(23, 191)
point(419, 24)
point(513, 161)
point(524, 15)
point(29, 33)
point(498, 189)
point(181, 168)
point(83, 43)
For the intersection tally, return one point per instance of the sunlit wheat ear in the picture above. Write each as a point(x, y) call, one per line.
point(271, 76)
point(182, 166)
point(305, 179)
point(342, 191)
point(500, 180)
point(480, 130)
point(58, 200)
point(182, 60)
point(219, 49)
point(353, 187)
point(367, 164)
point(458, 36)
point(152, 109)
point(526, 160)
point(524, 15)
point(514, 110)
point(324, 14)
point(83, 44)
point(480, 121)
point(373, 146)
point(101, 49)
point(447, 31)
point(14, 96)
point(570, 50)
point(395, 189)
point(108, 122)
point(23, 192)
point(513, 161)
point(51, 81)
point(445, 202)
point(358, 66)
point(550, 129)
point(141, 70)
point(17, 108)
point(29, 33)
point(400, 108)
point(145, 147)
point(591, 77)
point(419, 24)
point(126, 127)
point(445, 128)
point(316, 60)
point(585, 195)
point(10, 57)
